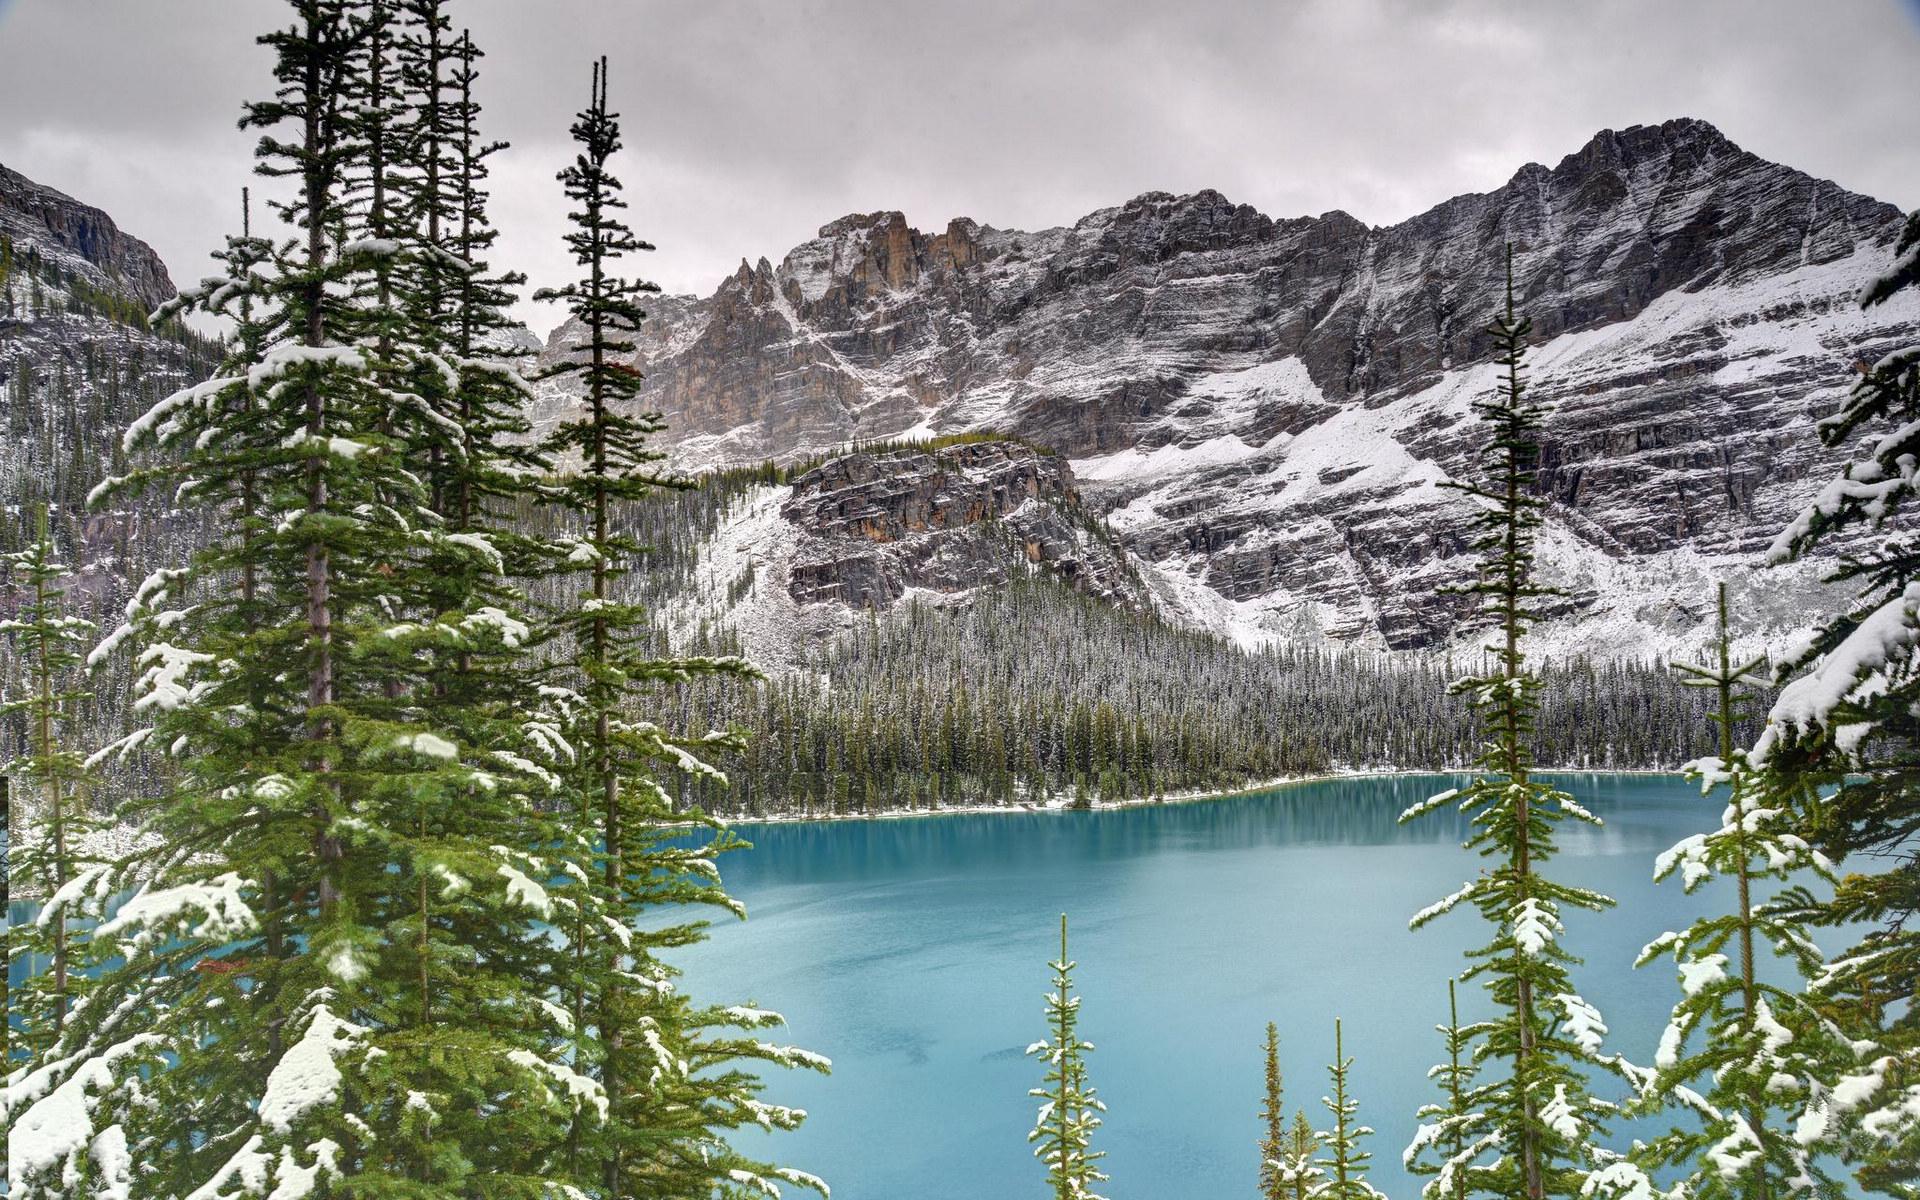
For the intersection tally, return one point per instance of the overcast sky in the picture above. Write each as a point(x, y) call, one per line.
point(751, 124)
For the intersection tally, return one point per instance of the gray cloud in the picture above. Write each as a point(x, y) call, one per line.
point(751, 123)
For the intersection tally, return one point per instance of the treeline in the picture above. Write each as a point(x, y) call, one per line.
point(1036, 692)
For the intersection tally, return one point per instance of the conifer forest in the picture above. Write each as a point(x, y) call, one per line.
point(403, 709)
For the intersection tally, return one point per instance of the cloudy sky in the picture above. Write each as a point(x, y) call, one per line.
point(751, 123)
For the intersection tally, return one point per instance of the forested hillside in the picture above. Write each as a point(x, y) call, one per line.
point(1037, 693)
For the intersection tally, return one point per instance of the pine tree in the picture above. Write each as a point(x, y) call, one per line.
point(1533, 1129)
point(1273, 1145)
point(1849, 722)
point(1440, 1147)
point(672, 1071)
point(1766, 1049)
point(1069, 1108)
point(1343, 1169)
point(323, 973)
point(50, 861)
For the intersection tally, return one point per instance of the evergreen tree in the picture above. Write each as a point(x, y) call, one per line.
point(1300, 1173)
point(1849, 722)
point(1069, 1108)
point(1531, 1131)
point(672, 1071)
point(50, 860)
point(1440, 1148)
point(1273, 1144)
point(1343, 1169)
point(1766, 1049)
point(323, 972)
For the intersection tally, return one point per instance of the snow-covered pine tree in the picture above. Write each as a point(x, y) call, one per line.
point(1273, 1141)
point(672, 1071)
point(1848, 719)
point(1069, 1108)
point(289, 1013)
point(1764, 1051)
point(1534, 1128)
point(50, 852)
point(1343, 1168)
point(1439, 1148)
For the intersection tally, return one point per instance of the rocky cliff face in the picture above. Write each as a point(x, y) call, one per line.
point(1264, 408)
point(81, 240)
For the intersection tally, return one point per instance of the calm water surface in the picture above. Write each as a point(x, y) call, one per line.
point(913, 952)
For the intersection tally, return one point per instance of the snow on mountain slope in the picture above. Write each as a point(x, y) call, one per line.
point(1264, 409)
point(789, 565)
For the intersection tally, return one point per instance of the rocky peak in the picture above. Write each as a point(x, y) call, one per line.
point(1157, 226)
point(82, 239)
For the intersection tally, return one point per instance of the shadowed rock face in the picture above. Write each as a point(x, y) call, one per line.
point(83, 239)
point(869, 526)
point(1264, 407)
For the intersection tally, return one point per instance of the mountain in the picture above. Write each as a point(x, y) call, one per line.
point(81, 360)
point(944, 616)
point(1262, 410)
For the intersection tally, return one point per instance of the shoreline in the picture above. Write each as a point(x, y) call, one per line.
point(1190, 796)
point(120, 838)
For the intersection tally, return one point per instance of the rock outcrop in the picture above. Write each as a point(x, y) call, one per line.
point(869, 526)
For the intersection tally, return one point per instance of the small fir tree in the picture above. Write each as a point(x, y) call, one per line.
point(1343, 1166)
point(51, 859)
point(1273, 1142)
point(1764, 1049)
point(1440, 1148)
point(1069, 1109)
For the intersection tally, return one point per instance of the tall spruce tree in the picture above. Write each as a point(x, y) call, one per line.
point(1273, 1140)
point(1764, 1051)
point(50, 860)
point(1848, 721)
point(1343, 1166)
point(673, 1072)
point(289, 1013)
point(1069, 1108)
point(1532, 1128)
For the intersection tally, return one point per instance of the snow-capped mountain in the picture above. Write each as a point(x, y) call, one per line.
point(1263, 410)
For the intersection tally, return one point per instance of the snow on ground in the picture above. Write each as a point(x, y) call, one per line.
point(775, 629)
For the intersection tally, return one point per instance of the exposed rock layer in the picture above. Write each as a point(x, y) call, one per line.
point(869, 526)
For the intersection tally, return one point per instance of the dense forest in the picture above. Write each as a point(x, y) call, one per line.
point(1036, 692)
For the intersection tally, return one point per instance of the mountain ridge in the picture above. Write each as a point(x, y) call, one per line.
point(1263, 409)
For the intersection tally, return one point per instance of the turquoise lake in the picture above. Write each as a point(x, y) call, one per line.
point(913, 952)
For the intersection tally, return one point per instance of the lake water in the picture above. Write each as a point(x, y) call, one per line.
point(914, 953)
